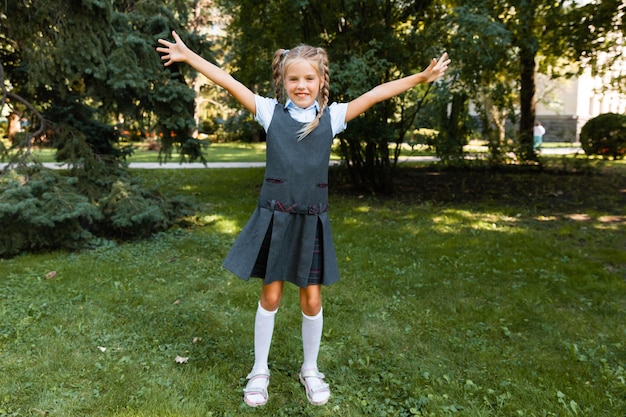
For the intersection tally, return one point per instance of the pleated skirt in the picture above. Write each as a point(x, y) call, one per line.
point(279, 246)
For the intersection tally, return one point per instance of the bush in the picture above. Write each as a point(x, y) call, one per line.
point(421, 136)
point(43, 209)
point(39, 209)
point(605, 135)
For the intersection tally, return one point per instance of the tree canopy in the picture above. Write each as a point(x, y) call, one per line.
point(98, 57)
point(89, 68)
point(368, 42)
point(497, 47)
point(92, 64)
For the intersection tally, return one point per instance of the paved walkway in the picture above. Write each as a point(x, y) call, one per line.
point(199, 165)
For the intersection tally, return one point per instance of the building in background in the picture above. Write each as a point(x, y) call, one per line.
point(565, 105)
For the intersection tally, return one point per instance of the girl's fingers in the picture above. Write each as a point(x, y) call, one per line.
point(444, 59)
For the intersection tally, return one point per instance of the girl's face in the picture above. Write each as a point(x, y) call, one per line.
point(302, 83)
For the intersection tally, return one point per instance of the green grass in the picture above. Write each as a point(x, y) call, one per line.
point(216, 152)
point(467, 309)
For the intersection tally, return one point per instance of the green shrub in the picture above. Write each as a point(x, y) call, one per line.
point(605, 135)
point(421, 136)
point(132, 211)
point(39, 209)
point(43, 209)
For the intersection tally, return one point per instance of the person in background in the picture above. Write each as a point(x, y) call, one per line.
point(538, 132)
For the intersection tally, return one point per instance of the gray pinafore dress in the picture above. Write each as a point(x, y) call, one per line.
point(292, 209)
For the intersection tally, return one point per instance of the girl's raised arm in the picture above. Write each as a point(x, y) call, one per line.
point(392, 88)
point(177, 51)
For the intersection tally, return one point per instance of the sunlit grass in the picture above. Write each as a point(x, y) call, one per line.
point(255, 152)
point(216, 152)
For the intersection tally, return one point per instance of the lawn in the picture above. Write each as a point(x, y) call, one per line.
point(216, 152)
point(255, 152)
point(493, 294)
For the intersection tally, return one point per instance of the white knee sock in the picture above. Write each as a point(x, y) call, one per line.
point(311, 338)
point(263, 330)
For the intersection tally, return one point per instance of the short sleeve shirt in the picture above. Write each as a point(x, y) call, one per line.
point(265, 111)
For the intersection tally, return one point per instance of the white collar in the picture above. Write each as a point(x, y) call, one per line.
point(291, 105)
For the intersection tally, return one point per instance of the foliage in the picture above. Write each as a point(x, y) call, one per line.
point(605, 135)
point(39, 209)
point(481, 47)
point(494, 301)
point(554, 35)
point(369, 42)
point(454, 132)
point(131, 210)
point(420, 137)
point(80, 70)
point(498, 46)
point(98, 60)
point(102, 138)
point(42, 209)
point(101, 55)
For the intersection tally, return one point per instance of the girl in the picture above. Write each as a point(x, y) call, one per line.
point(288, 237)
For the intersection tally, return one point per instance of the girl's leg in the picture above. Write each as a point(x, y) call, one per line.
point(271, 295)
point(255, 392)
point(312, 326)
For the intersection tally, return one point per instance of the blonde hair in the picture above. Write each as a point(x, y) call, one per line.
point(318, 58)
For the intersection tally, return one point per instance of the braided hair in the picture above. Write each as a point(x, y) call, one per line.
point(318, 58)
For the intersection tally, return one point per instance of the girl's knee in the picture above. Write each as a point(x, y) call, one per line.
point(270, 304)
point(311, 301)
point(311, 309)
point(271, 296)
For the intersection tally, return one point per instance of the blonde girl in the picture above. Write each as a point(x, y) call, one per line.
point(288, 237)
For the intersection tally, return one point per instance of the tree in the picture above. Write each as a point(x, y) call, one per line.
point(499, 46)
point(368, 42)
point(481, 48)
point(85, 66)
point(99, 57)
point(561, 33)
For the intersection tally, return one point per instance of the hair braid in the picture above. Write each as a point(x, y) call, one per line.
point(319, 57)
point(277, 72)
point(325, 90)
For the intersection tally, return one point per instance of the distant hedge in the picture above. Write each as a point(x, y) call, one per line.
point(605, 135)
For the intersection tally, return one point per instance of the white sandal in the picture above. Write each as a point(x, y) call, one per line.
point(250, 390)
point(312, 391)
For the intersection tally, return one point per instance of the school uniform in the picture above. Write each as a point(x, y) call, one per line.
point(288, 237)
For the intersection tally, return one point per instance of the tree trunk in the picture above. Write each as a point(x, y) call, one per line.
point(527, 104)
point(528, 45)
point(452, 136)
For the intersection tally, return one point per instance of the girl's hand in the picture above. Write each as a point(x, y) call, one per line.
point(437, 68)
point(173, 52)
